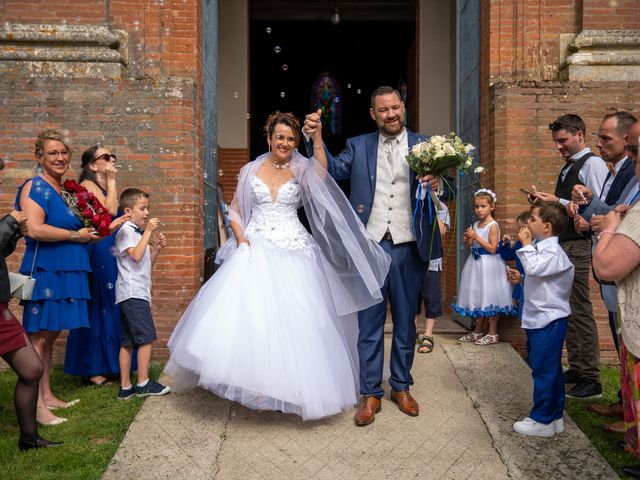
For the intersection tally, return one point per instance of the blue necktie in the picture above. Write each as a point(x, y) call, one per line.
point(635, 198)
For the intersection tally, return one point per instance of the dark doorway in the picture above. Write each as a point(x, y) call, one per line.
point(287, 56)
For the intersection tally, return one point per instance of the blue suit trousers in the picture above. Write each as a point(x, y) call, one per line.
point(401, 287)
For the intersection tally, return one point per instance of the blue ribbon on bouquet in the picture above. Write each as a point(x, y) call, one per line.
point(419, 207)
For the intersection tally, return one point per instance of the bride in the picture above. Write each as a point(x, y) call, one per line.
point(276, 327)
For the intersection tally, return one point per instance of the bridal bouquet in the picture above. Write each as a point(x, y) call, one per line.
point(440, 155)
point(86, 207)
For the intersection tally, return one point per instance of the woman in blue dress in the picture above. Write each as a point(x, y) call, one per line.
point(93, 352)
point(56, 255)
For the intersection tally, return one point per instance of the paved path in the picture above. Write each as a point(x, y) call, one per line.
point(196, 435)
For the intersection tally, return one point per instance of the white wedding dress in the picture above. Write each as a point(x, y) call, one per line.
point(263, 331)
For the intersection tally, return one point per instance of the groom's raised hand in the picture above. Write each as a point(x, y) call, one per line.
point(312, 122)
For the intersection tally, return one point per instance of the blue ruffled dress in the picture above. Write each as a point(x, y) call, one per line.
point(94, 351)
point(61, 293)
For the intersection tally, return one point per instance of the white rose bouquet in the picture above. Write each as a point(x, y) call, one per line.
point(440, 155)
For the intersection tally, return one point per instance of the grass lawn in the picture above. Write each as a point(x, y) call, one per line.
point(591, 424)
point(91, 437)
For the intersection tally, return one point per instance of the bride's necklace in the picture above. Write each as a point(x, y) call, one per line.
point(280, 166)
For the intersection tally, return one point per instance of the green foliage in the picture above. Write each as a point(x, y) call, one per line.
point(91, 437)
point(592, 424)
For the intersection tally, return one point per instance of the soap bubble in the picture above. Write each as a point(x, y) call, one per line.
point(283, 94)
point(277, 49)
point(268, 29)
point(285, 67)
point(358, 91)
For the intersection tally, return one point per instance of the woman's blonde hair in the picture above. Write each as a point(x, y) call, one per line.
point(49, 135)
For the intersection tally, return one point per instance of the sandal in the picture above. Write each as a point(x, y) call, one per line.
point(471, 337)
point(487, 340)
point(426, 345)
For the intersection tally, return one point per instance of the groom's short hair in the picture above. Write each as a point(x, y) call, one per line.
point(384, 90)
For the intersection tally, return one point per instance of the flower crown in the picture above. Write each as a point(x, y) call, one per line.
point(487, 192)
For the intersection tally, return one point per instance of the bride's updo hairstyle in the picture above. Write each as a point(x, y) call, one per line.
point(287, 119)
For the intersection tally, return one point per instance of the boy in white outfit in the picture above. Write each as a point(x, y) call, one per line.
point(547, 288)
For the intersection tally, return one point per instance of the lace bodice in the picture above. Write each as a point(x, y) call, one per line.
point(277, 220)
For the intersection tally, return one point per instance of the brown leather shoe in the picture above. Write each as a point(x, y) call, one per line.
point(367, 409)
point(616, 427)
point(406, 402)
point(613, 410)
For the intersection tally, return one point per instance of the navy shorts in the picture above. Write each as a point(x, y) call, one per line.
point(431, 294)
point(137, 323)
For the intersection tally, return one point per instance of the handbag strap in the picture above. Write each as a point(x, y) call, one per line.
point(33, 264)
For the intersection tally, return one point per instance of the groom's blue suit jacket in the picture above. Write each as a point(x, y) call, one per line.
point(358, 162)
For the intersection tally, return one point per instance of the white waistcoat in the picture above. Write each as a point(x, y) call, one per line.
point(391, 208)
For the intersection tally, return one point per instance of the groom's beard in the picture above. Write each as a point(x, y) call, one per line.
point(394, 128)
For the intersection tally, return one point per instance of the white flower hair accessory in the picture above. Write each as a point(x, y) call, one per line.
point(487, 192)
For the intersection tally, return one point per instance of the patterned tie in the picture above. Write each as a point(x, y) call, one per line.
point(390, 148)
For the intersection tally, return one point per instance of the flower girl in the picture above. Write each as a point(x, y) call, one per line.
point(484, 290)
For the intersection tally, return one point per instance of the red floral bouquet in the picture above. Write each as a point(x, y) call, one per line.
point(86, 207)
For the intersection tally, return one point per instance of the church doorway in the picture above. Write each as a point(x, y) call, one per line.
point(332, 55)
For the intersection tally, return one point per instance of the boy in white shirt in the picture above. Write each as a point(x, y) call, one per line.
point(547, 288)
point(135, 259)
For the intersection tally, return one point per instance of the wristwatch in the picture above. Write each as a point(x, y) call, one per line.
point(75, 235)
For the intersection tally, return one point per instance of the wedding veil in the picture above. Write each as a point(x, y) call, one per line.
point(354, 264)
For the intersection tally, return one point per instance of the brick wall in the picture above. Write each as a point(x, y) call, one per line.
point(522, 154)
point(520, 95)
point(150, 116)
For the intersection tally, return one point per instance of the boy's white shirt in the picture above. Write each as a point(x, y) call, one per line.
point(134, 279)
point(547, 285)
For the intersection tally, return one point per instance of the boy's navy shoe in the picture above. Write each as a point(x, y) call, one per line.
point(126, 394)
point(585, 390)
point(152, 389)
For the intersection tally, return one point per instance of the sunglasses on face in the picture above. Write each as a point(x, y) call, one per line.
point(632, 149)
point(106, 157)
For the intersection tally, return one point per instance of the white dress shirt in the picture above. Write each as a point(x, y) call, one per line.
point(134, 278)
point(609, 181)
point(547, 284)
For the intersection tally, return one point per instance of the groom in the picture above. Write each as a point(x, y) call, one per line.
point(383, 195)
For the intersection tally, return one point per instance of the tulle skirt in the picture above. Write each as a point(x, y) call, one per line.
point(263, 332)
point(484, 290)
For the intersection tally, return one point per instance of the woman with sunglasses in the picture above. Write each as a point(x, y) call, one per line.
point(93, 352)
